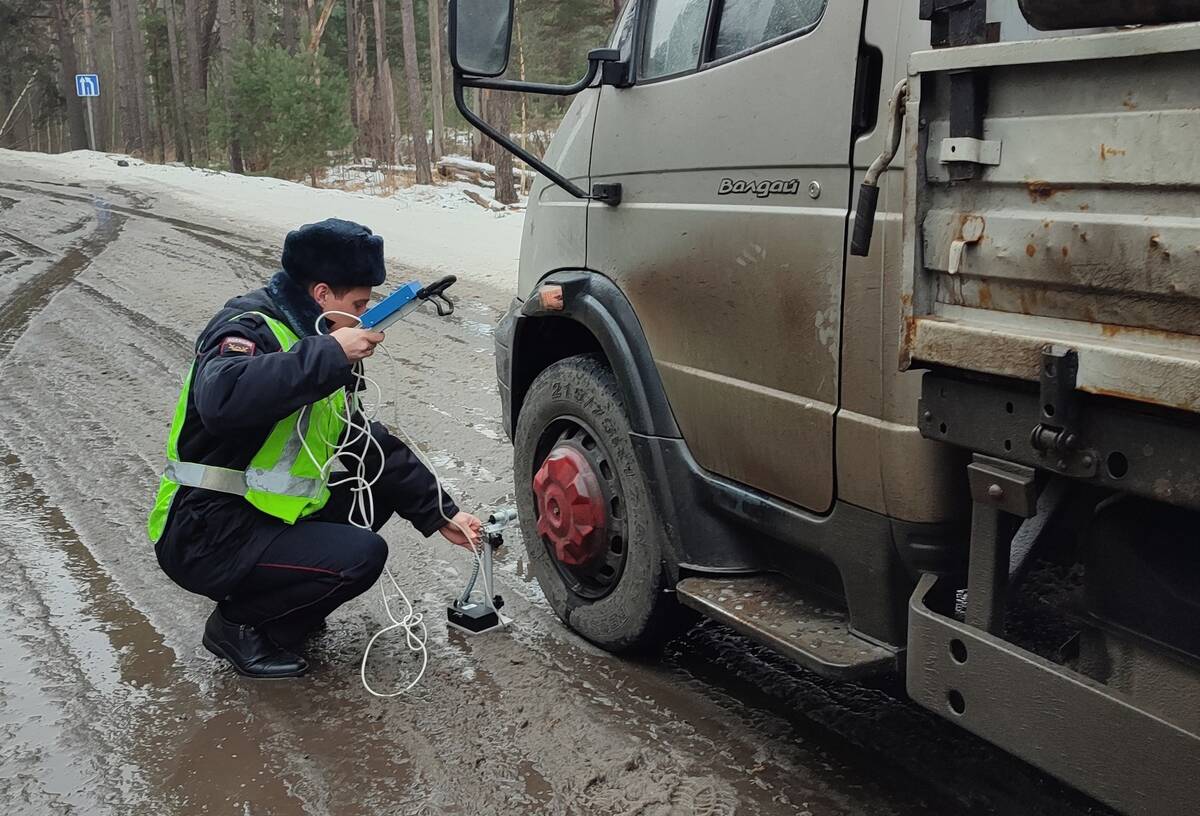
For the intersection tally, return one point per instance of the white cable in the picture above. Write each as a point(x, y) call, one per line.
point(477, 551)
point(412, 622)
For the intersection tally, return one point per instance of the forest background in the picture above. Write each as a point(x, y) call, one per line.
point(285, 88)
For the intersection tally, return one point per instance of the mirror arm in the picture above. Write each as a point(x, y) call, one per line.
point(595, 59)
point(508, 144)
point(609, 194)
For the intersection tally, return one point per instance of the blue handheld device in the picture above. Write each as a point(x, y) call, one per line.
point(393, 307)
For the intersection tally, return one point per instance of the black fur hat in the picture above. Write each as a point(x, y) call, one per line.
point(339, 253)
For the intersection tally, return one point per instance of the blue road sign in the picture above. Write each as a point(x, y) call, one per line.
point(87, 84)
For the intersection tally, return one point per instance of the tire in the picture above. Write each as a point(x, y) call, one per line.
point(635, 612)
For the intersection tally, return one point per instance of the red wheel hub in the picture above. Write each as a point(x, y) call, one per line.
point(571, 511)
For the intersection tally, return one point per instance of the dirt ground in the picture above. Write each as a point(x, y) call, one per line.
point(109, 705)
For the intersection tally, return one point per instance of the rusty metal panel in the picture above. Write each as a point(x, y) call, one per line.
point(1087, 231)
point(1152, 367)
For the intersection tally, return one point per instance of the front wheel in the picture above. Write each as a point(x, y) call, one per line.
point(595, 543)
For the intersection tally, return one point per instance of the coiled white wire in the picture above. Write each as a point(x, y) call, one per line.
point(412, 622)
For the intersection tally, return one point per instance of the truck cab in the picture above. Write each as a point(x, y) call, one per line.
point(720, 399)
point(720, 291)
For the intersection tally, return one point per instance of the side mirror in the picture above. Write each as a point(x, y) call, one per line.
point(480, 36)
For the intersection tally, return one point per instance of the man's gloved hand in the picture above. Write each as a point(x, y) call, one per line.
point(358, 343)
point(454, 535)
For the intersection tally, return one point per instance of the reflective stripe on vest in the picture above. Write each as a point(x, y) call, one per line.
point(283, 480)
point(280, 478)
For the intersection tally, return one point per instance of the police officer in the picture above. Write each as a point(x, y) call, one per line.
point(245, 514)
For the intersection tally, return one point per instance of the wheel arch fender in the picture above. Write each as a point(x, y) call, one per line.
point(595, 317)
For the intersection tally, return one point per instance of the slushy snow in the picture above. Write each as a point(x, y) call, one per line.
point(436, 230)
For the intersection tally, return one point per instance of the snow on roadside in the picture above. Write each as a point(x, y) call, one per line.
point(446, 195)
point(425, 228)
point(367, 177)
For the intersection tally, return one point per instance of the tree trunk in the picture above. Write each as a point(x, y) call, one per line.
point(436, 99)
point(486, 147)
point(9, 103)
point(351, 61)
point(229, 38)
point(416, 99)
point(196, 102)
point(524, 102)
point(183, 146)
point(70, 67)
point(289, 30)
point(383, 108)
point(208, 32)
point(158, 84)
point(137, 46)
point(322, 20)
point(126, 96)
point(500, 109)
point(359, 74)
point(250, 20)
point(21, 133)
point(310, 13)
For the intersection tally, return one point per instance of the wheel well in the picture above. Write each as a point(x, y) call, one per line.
point(540, 343)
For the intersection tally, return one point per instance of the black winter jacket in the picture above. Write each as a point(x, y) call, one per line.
point(240, 389)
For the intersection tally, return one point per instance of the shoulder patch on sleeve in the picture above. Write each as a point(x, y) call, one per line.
point(236, 345)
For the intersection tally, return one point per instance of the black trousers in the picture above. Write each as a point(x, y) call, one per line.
point(310, 569)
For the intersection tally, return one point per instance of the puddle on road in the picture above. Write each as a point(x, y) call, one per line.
point(86, 659)
point(96, 708)
point(142, 656)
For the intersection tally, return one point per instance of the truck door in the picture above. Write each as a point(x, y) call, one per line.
point(732, 148)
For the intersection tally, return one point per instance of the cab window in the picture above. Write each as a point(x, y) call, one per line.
point(674, 32)
point(745, 24)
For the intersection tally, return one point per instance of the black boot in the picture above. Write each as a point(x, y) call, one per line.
point(294, 634)
point(251, 653)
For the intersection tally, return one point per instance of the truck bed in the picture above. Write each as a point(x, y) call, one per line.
point(1082, 228)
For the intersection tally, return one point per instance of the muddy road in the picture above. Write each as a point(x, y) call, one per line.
point(109, 705)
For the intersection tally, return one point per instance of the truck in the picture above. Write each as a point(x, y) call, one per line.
point(872, 330)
